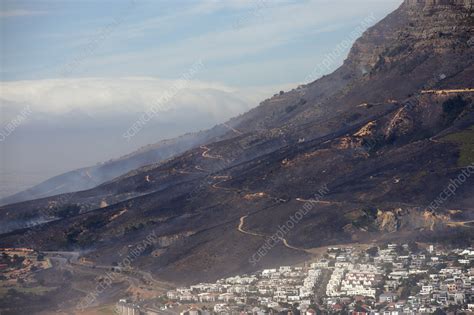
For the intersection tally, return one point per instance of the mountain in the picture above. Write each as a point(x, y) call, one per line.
point(364, 154)
point(89, 177)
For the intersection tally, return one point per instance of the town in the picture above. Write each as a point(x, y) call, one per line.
point(389, 279)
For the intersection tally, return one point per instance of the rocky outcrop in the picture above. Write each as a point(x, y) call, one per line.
point(387, 221)
point(406, 219)
point(417, 28)
point(367, 130)
point(468, 4)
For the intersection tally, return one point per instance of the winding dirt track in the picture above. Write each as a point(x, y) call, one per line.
point(240, 228)
point(223, 188)
point(200, 169)
point(205, 153)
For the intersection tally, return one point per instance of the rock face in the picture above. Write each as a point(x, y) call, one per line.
point(453, 33)
point(468, 4)
point(417, 28)
point(387, 221)
point(391, 221)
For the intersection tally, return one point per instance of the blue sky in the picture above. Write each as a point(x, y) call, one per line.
point(242, 43)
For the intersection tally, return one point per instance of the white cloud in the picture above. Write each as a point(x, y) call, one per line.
point(79, 122)
point(128, 95)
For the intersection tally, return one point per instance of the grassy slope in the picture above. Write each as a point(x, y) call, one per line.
point(465, 140)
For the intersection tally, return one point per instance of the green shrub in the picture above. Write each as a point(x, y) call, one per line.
point(453, 107)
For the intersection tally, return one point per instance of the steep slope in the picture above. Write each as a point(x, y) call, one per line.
point(89, 177)
point(370, 136)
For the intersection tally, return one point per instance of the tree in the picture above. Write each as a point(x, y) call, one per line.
point(372, 251)
point(17, 260)
point(453, 107)
point(400, 250)
point(387, 267)
point(413, 247)
point(384, 245)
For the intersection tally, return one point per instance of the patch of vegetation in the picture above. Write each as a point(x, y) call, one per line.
point(372, 251)
point(134, 227)
point(12, 291)
point(366, 220)
point(370, 212)
point(95, 222)
point(372, 145)
point(291, 108)
point(453, 107)
point(68, 211)
point(71, 236)
point(14, 261)
point(410, 286)
point(465, 141)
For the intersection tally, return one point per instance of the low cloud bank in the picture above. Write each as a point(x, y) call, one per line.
point(73, 123)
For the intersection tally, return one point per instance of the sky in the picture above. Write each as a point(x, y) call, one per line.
point(85, 70)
